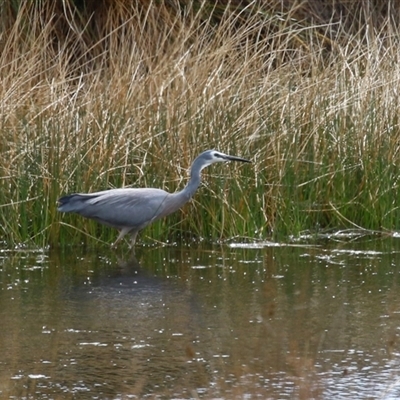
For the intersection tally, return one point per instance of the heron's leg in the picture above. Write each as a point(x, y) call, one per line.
point(133, 238)
point(122, 233)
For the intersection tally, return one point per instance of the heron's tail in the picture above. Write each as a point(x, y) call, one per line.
point(72, 202)
point(66, 203)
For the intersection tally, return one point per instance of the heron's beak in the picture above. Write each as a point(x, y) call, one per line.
point(234, 158)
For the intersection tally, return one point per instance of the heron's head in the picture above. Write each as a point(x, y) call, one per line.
point(213, 156)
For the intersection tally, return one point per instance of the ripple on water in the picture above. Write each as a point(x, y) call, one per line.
point(265, 320)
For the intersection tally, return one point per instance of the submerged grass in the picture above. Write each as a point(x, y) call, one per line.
point(318, 117)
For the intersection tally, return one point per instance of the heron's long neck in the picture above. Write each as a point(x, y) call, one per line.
point(175, 201)
point(183, 196)
point(194, 181)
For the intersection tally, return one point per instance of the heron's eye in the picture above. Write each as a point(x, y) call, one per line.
point(217, 155)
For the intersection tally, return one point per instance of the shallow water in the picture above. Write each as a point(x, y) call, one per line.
point(279, 322)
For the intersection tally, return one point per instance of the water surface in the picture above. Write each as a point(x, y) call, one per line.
point(281, 322)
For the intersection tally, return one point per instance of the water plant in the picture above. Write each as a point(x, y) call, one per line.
point(92, 100)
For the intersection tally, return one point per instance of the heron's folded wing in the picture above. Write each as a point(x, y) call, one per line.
point(134, 208)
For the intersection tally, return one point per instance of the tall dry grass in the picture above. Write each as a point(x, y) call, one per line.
point(130, 96)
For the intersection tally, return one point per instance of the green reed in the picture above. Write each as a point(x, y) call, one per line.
point(321, 127)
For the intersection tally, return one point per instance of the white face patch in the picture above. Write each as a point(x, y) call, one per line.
point(218, 157)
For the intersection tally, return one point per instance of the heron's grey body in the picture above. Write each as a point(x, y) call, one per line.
point(131, 210)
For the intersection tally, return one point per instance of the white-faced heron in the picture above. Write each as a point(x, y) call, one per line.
point(131, 210)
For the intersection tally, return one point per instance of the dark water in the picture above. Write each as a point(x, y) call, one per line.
point(281, 322)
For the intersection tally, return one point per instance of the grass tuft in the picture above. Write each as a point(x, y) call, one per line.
point(123, 94)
